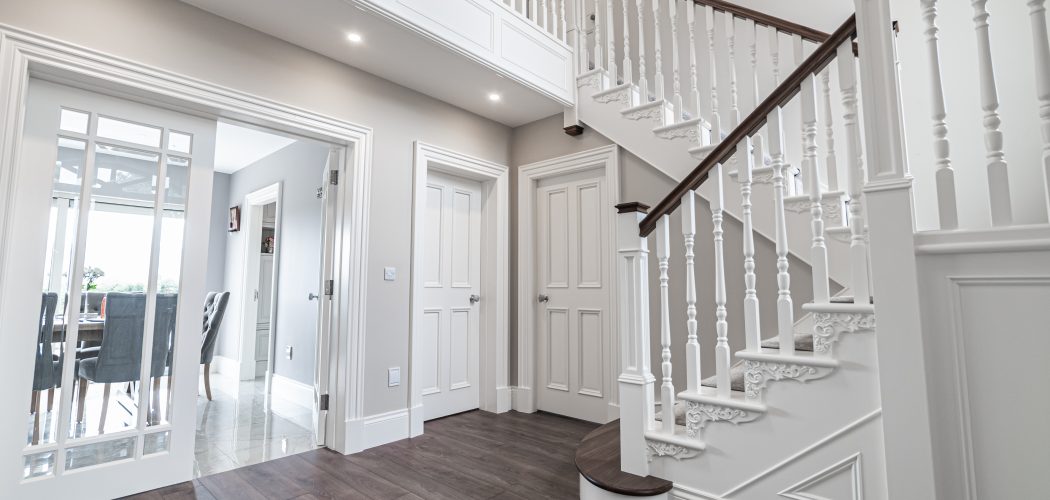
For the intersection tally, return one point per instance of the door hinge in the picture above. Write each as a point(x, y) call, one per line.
point(322, 402)
point(333, 177)
point(329, 287)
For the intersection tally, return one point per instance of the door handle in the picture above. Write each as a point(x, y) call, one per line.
point(544, 298)
point(312, 296)
point(474, 299)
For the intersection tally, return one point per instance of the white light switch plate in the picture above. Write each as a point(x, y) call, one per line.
point(393, 376)
point(389, 273)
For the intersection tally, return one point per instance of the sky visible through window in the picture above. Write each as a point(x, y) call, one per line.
point(119, 244)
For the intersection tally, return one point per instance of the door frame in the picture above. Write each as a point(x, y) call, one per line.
point(250, 279)
point(608, 159)
point(23, 55)
point(494, 351)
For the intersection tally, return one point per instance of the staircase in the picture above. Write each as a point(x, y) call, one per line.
point(795, 411)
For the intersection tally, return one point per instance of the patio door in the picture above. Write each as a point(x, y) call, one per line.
point(102, 295)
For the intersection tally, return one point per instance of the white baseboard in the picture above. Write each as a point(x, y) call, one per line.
point(522, 399)
point(375, 430)
point(227, 366)
point(613, 412)
point(415, 416)
point(504, 399)
point(292, 391)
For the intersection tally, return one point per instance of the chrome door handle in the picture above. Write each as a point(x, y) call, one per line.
point(312, 296)
point(474, 299)
point(544, 298)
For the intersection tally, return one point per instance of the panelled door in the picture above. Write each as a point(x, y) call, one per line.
point(572, 280)
point(451, 287)
point(101, 296)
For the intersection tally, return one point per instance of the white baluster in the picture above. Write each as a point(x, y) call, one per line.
point(628, 69)
point(542, 14)
point(734, 111)
point(831, 164)
point(564, 22)
point(798, 187)
point(610, 43)
point(998, 182)
point(716, 121)
point(643, 82)
point(818, 252)
point(858, 247)
point(752, 327)
point(692, 344)
point(1037, 13)
point(658, 68)
point(663, 254)
point(598, 38)
point(694, 79)
point(757, 143)
point(721, 326)
point(676, 98)
point(945, 175)
point(774, 53)
point(785, 308)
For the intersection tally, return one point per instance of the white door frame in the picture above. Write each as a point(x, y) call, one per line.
point(249, 310)
point(494, 364)
point(607, 158)
point(24, 54)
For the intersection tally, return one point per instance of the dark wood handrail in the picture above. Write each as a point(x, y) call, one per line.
point(764, 19)
point(754, 121)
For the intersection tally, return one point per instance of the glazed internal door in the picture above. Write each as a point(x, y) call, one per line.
point(451, 288)
point(572, 279)
point(102, 295)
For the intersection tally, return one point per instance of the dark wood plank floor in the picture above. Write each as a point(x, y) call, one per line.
point(470, 455)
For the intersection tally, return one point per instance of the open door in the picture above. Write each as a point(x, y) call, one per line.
point(329, 192)
point(102, 293)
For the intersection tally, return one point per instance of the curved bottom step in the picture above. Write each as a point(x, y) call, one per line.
point(598, 461)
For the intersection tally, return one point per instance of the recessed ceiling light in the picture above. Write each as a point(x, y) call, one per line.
point(494, 97)
point(354, 37)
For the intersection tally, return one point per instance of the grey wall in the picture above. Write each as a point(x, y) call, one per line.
point(185, 40)
point(220, 204)
point(298, 167)
point(639, 181)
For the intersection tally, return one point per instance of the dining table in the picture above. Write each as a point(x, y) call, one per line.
point(90, 329)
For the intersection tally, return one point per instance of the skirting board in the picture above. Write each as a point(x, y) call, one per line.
point(227, 366)
point(292, 391)
point(375, 430)
point(522, 399)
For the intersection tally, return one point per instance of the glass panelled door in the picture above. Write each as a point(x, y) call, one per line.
point(102, 295)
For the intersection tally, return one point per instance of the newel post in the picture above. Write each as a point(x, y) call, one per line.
point(636, 379)
point(890, 215)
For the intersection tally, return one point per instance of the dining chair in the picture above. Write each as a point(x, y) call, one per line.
point(214, 310)
point(47, 371)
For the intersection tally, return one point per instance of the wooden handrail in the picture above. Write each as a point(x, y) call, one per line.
point(763, 19)
point(754, 121)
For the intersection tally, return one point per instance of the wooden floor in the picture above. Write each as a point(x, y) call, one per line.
point(470, 455)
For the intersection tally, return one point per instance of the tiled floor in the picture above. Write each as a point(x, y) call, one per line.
point(240, 427)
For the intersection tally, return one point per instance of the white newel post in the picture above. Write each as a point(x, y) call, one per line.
point(902, 366)
point(636, 381)
point(1037, 12)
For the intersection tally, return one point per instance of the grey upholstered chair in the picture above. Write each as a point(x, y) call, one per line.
point(214, 310)
point(47, 372)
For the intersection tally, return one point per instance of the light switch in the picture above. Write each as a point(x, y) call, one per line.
point(393, 376)
point(288, 352)
point(389, 273)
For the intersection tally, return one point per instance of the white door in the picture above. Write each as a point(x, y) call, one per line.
point(107, 231)
point(573, 306)
point(448, 367)
point(326, 292)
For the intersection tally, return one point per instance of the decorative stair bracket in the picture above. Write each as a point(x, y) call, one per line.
point(832, 320)
point(760, 369)
point(671, 445)
point(698, 414)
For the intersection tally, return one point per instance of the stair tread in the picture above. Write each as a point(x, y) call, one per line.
point(598, 460)
point(803, 343)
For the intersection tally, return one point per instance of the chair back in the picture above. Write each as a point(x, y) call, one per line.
point(119, 359)
point(214, 310)
point(44, 373)
point(163, 333)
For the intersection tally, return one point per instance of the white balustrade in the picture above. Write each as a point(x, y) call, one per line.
point(752, 327)
point(785, 307)
point(716, 121)
point(643, 82)
point(610, 44)
point(798, 51)
point(1037, 13)
point(676, 95)
point(721, 325)
point(998, 182)
point(774, 55)
point(628, 68)
point(663, 254)
point(860, 282)
point(757, 149)
point(658, 65)
point(692, 344)
point(597, 36)
point(541, 15)
point(818, 251)
point(945, 176)
point(734, 109)
point(831, 164)
point(564, 31)
point(694, 79)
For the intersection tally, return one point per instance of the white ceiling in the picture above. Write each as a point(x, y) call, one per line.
point(823, 15)
point(388, 51)
point(238, 146)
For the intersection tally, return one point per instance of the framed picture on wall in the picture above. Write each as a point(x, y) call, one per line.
point(235, 219)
